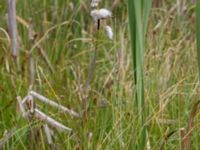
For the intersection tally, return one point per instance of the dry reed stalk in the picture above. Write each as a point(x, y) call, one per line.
point(182, 133)
point(187, 135)
point(50, 120)
point(48, 134)
point(39, 114)
point(31, 71)
point(30, 58)
point(52, 103)
point(25, 99)
point(12, 26)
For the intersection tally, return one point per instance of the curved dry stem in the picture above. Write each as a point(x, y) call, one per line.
point(7, 35)
point(187, 135)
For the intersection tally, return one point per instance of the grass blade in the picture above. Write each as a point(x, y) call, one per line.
point(198, 32)
point(138, 17)
point(147, 7)
point(132, 25)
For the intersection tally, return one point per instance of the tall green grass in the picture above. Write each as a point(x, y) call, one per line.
point(138, 12)
point(198, 32)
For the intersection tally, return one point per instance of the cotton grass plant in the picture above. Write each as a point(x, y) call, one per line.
point(98, 16)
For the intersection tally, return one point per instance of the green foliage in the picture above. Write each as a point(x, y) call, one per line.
point(138, 19)
point(198, 32)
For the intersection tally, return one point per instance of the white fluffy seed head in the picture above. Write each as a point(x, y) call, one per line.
point(109, 32)
point(100, 14)
point(105, 13)
point(95, 14)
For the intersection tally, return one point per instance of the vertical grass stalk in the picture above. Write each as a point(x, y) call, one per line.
point(198, 32)
point(138, 12)
point(12, 26)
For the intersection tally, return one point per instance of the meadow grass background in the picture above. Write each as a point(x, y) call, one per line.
point(170, 76)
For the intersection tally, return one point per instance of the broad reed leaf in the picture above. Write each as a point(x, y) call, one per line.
point(138, 16)
point(146, 10)
point(132, 25)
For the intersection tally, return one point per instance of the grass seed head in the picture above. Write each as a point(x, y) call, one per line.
point(98, 14)
point(109, 32)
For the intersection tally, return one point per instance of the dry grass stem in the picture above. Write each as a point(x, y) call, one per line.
point(52, 103)
point(12, 26)
point(21, 106)
point(187, 135)
point(48, 134)
point(50, 120)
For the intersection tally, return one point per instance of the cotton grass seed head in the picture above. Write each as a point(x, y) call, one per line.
point(98, 14)
point(109, 32)
point(105, 13)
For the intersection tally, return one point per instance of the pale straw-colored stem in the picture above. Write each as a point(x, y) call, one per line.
point(31, 69)
point(25, 99)
point(48, 134)
point(52, 103)
point(50, 120)
point(12, 26)
point(21, 106)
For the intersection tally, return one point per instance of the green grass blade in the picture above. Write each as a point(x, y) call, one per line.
point(132, 25)
point(198, 32)
point(138, 17)
point(146, 11)
point(139, 72)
